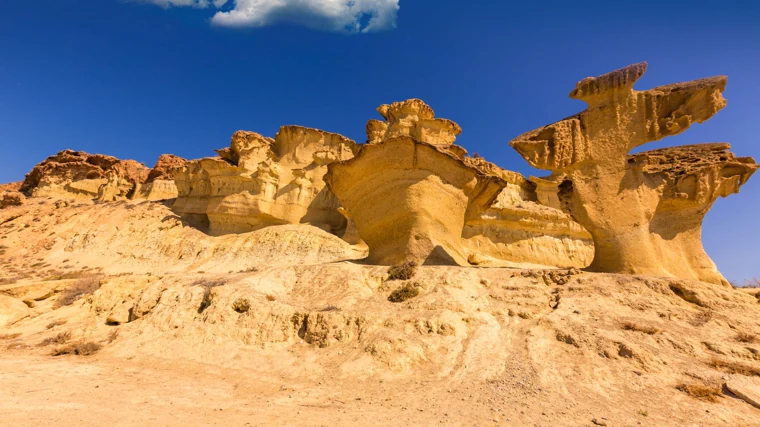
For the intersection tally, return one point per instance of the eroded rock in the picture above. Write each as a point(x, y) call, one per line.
point(522, 229)
point(160, 182)
point(410, 198)
point(644, 211)
point(76, 174)
point(260, 181)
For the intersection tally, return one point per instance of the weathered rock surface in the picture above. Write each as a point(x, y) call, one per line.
point(160, 182)
point(76, 174)
point(747, 389)
point(415, 119)
point(644, 211)
point(284, 311)
point(410, 198)
point(517, 230)
point(520, 229)
point(11, 186)
point(11, 310)
point(80, 175)
point(260, 181)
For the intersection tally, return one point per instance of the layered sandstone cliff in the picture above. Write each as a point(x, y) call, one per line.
point(522, 228)
point(260, 181)
point(643, 211)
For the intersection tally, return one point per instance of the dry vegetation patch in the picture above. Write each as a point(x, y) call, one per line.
point(79, 348)
point(408, 291)
point(735, 368)
point(631, 326)
point(746, 337)
point(52, 325)
point(403, 271)
point(9, 336)
point(700, 391)
point(61, 338)
point(701, 318)
point(82, 287)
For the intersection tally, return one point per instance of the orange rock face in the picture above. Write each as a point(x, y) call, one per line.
point(165, 164)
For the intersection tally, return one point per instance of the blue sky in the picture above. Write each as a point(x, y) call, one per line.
point(135, 79)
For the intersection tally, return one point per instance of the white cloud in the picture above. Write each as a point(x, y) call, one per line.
point(352, 16)
point(193, 3)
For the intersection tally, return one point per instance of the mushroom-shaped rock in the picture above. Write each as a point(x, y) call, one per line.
point(625, 202)
point(410, 199)
point(260, 181)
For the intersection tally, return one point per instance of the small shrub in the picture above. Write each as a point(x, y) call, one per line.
point(10, 336)
point(735, 368)
point(61, 338)
point(631, 326)
point(271, 297)
point(82, 287)
point(241, 305)
point(752, 283)
point(60, 275)
point(330, 308)
point(52, 325)
point(80, 348)
point(701, 318)
point(702, 392)
point(408, 291)
point(746, 337)
point(403, 271)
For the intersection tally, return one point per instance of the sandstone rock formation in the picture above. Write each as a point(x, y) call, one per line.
point(80, 175)
point(260, 181)
point(76, 174)
point(409, 191)
point(160, 182)
point(522, 229)
point(643, 211)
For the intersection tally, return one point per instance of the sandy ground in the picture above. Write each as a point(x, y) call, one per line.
point(282, 327)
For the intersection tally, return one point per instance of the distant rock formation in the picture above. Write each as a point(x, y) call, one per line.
point(644, 211)
point(80, 175)
point(76, 174)
point(260, 181)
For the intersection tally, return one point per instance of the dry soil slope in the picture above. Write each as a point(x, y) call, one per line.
point(279, 326)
